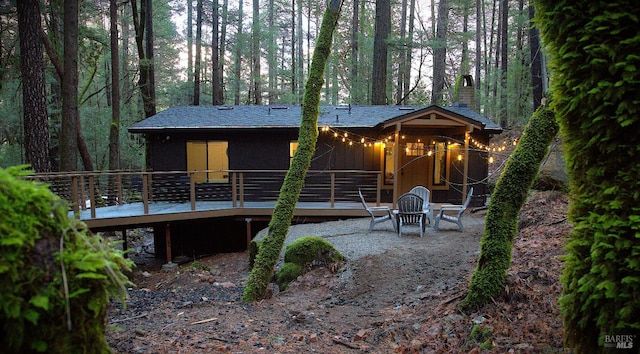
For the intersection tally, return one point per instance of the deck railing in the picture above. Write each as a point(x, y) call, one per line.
point(93, 190)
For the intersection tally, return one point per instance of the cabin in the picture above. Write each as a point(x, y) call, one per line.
point(440, 147)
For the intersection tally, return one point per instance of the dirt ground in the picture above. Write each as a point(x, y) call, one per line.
point(403, 299)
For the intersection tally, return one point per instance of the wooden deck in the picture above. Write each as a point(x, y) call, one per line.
point(133, 215)
point(117, 200)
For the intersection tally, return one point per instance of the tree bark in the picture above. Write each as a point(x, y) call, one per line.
point(35, 118)
point(356, 96)
point(70, 116)
point(114, 132)
point(294, 180)
point(217, 91)
point(197, 71)
point(190, 87)
point(255, 54)
point(238, 58)
point(380, 49)
point(536, 62)
point(142, 22)
point(440, 53)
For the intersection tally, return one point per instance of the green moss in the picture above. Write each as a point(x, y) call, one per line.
point(593, 50)
point(199, 265)
point(287, 273)
point(481, 336)
point(508, 197)
point(56, 279)
point(309, 249)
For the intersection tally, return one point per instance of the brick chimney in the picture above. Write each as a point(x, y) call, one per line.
point(466, 93)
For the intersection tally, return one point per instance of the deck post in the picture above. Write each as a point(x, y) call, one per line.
point(333, 188)
point(92, 196)
point(234, 185)
point(248, 221)
point(145, 193)
point(83, 205)
point(169, 265)
point(75, 197)
point(119, 187)
point(241, 190)
point(192, 190)
point(378, 188)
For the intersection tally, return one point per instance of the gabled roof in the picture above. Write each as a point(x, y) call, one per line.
point(283, 116)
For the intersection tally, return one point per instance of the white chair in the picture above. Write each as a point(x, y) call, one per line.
point(410, 212)
point(427, 207)
point(455, 212)
point(375, 212)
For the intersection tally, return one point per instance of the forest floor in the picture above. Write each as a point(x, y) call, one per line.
point(400, 299)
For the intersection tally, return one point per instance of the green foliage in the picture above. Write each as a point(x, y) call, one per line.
point(55, 277)
point(596, 87)
point(294, 180)
point(480, 335)
point(288, 273)
point(507, 199)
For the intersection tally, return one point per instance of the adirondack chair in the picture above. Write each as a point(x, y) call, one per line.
point(455, 212)
point(375, 212)
point(410, 212)
point(427, 207)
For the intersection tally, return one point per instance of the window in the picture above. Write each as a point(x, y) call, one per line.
point(440, 171)
point(211, 156)
point(293, 147)
point(415, 149)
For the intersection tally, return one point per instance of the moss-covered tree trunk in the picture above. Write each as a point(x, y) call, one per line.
point(510, 194)
point(56, 278)
point(294, 180)
point(595, 62)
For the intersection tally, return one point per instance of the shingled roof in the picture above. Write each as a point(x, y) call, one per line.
point(288, 116)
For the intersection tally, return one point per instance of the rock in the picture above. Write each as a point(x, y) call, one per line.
point(360, 335)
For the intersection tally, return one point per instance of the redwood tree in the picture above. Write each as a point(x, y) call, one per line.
point(595, 83)
point(36, 125)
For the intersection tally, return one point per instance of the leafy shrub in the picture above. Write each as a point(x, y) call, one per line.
point(56, 278)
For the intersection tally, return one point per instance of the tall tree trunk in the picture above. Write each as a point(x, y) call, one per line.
point(294, 57)
point(356, 96)
point(596, 92)
point(440, 53)
point(238, 58)
point(196, 67)
point(380, 48)
point(216, 59)
point(479, 30)
point(294, 180)
point(300, 53)
point(255, 54)
point(223, 44)
point(271, 53)
point(190, 87)
point(114, 132)
point(141, 22)
point(504, 55)
point(403, 55)
point(536, 62)
point(501, 225)
point(409, 50)
point(36, 124)
point(70, 116)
